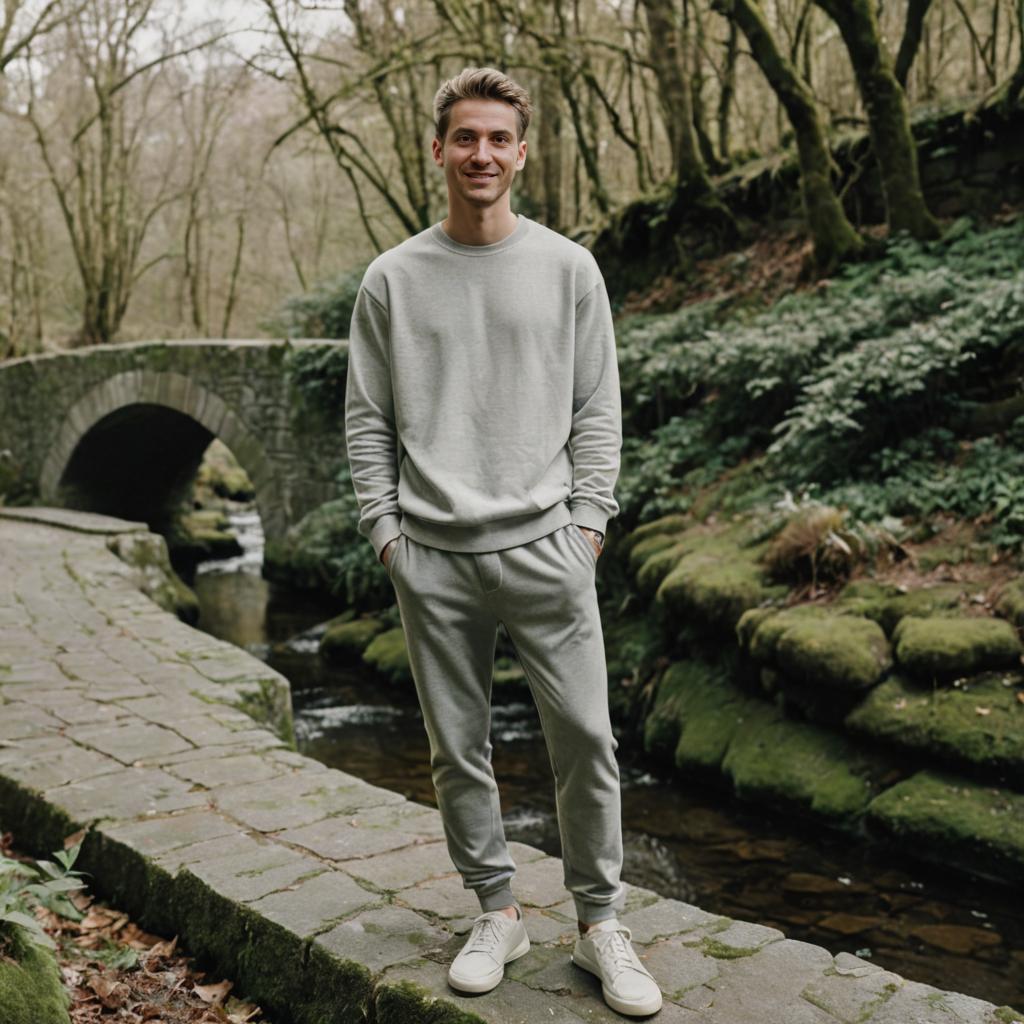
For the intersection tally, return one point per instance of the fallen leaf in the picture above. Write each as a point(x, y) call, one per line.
point(900, 704)
point(1020, 696)
point(983, 711)
point(112, 994)
point(213, 994)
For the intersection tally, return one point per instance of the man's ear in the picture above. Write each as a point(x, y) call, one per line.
point(437, 149)
point(521, 158)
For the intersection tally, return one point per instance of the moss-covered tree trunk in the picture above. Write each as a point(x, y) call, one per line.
point(888, 116)
point(834, 236)
point(667, 50)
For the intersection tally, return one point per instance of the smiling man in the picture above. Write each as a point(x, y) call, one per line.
point(484, 428)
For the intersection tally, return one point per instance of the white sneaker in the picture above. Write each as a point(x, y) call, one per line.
point(627, 986)
point(495, 940)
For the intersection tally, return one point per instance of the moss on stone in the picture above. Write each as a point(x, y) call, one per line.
point(844, 652)
point(887, 605)
point(799, 766)
point(388, 655)
point(400, 1002)
point(269, 702)
point(943, 648)
point(716, 583)
point(1010, 602)
point(947, 723)
point(658, 564)
point(31, 989)
point(953, 821)
point(344, 642)
point(710, 946)
point(1008, 1015)
point(673, 523)
point(763, 630)
point(643, 549)
point(147, 554)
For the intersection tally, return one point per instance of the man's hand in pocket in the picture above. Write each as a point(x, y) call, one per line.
point(387, 551)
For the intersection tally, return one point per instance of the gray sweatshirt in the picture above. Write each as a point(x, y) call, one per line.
point(482, 405)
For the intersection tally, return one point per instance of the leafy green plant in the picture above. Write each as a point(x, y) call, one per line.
point(23, 887)
point(316, 375)
point(323, 312)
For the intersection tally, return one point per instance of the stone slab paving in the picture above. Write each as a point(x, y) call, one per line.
point(324, 897)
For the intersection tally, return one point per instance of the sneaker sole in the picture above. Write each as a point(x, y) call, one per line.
point(478, 985)
point(631, 1007)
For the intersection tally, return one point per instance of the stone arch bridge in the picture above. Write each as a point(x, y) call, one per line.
point(121, 429)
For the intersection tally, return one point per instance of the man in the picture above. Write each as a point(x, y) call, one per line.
point(483, 426)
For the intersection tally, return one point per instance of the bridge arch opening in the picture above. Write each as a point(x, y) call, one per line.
point(131, 447)
point(137, 462)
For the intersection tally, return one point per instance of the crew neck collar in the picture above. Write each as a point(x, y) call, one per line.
point(443, 238)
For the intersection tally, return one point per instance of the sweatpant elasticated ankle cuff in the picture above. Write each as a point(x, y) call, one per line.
point(496, 900)
point(590, 913)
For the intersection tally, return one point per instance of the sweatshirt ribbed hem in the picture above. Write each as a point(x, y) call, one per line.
point(493, 536)
point(522, 228)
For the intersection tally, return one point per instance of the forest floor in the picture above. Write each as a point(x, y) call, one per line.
point(116, 973)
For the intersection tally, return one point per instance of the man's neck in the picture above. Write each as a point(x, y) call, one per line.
point(483, 227)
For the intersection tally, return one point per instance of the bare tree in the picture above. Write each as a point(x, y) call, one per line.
point(92, 115)
point(22, 22)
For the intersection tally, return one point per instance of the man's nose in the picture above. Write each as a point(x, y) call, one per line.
point(482, 152)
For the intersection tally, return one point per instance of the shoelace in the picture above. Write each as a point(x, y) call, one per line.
point(614, 950)
point(485, 936)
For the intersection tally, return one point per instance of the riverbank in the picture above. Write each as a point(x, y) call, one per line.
point(205, 824)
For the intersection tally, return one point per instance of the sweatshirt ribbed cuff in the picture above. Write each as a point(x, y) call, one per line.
point(384, 529)
point(590, 516)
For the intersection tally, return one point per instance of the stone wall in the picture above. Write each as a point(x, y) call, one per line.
point(120, 429)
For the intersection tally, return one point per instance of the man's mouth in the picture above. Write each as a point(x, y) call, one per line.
point(480, 177)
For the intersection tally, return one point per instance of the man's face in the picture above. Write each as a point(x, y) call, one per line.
point(480, 155)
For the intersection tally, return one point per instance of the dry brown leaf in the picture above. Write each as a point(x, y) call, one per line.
point(213, 994)
point(166, 947)
point(1020, 696)
point(96, 918)
point(112, 994)
point(983, 711)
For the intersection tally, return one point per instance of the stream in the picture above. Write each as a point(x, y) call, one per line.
point(682, 840)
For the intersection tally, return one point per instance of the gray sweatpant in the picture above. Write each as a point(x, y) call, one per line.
point(544, 592)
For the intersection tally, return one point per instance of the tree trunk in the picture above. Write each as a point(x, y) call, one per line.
point(888, 116)
point(913, 29)
point(834, 236)
point(550, 116)
point(667, 54)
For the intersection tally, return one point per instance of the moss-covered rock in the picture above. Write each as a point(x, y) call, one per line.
point(345, 642)
point(888, 605)
point(844, 652)
point(1010, 602)
point(204, 534)
point(716, 582)
point(658, 563)
point(671, 524)
point(696, 713)
point(386, 652)
point(146, 553)
point(814, 646)
point(31, 989)
point(952, 821)
point(941, 648)
point(980, 724)
point(800, 767)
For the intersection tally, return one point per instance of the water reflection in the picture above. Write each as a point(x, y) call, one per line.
point(682, 838)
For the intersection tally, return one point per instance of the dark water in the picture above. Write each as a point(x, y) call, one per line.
point(680, 839)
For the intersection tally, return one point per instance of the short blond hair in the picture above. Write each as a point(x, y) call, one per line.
point(481, 84)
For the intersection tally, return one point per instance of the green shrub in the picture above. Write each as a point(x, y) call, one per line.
point(323, 312)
